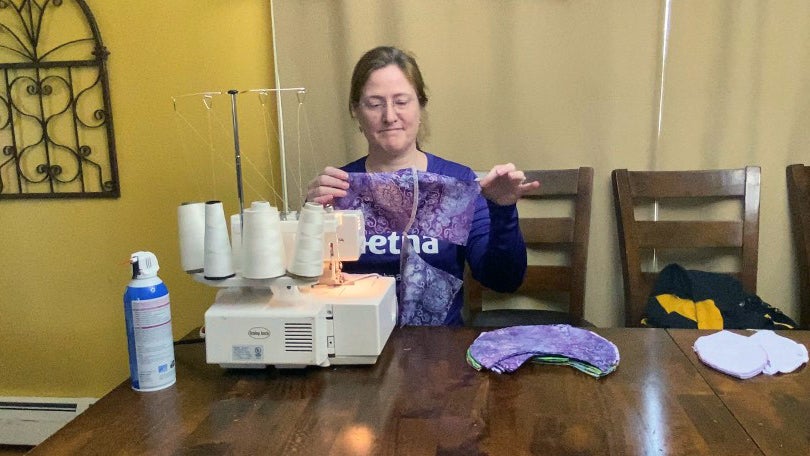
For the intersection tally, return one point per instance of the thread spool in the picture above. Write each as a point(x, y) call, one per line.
point(263, 248)
point(236, 241)
point(307, 258)
point(191, 232)
point(218, 260)
point(262, 205)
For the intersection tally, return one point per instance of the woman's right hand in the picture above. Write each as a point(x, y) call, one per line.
point(329, 184)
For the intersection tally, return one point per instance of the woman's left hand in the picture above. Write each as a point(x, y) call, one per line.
point(505, 185)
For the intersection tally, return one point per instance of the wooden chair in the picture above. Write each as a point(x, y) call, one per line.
point(561, 234)
point(798, 185)
point(639, 237)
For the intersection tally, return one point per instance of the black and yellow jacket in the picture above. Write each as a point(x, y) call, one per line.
point(684, 298)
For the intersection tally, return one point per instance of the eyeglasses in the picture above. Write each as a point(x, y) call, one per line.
point(400, 103)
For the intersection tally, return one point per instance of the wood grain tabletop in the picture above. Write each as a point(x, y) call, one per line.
point(422, 398)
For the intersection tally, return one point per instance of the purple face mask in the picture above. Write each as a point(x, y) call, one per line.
point(444, 210)
point(416, 203)
point(506, 349)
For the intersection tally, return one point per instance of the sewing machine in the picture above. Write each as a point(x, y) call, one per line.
point(291, 321)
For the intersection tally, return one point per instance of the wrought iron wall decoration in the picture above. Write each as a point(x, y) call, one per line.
point(56, 129)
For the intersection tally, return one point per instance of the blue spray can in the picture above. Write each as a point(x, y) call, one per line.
point(149, 326)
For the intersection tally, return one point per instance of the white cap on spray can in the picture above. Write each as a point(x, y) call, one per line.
point(144, 265)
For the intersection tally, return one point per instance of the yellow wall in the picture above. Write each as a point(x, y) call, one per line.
point(63, 264)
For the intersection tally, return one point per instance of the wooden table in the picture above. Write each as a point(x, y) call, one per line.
point(422, 398)
point(774, 410)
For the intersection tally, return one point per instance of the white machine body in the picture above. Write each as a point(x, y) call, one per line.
point(321, 325)
point(295, 322)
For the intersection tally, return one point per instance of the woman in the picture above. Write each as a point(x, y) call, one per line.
point(387, 98)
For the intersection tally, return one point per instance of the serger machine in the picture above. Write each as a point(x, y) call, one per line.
point(297, 312)
point(291, 321)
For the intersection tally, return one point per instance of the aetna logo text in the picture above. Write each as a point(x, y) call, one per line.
point(379, 244)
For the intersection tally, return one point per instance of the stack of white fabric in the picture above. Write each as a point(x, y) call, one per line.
point(745, 357)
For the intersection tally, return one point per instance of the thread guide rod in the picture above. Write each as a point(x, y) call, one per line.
point(237, 153)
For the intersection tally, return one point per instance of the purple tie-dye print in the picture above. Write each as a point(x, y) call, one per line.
point(426, 293)
point(445, 208)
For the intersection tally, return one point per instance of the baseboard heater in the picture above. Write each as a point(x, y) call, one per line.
point(30, 420)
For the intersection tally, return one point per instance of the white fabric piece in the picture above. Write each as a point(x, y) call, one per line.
point(784, 355)
point(732, 354)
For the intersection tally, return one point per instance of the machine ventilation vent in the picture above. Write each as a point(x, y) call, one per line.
point(298, 337)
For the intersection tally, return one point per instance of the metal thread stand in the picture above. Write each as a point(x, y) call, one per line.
point(282, 150)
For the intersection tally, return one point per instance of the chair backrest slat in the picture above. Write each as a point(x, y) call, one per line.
point(689, 234)
point(558, 182)
point(688, 184)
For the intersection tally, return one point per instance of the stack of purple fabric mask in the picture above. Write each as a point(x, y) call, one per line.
point(506, 349)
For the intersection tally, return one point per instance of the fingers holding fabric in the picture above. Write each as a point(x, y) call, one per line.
point(331, 183)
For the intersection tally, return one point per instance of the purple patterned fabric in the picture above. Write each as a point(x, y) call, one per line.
point(506, 349)
point(445, 208)
point(426, 293)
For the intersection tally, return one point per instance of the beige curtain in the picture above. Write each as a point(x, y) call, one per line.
point(568, 83)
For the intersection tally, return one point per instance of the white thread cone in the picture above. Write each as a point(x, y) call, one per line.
point(218, 260)
point(236, 241)
point(263, 249)
point(191, 231)
point(307, 258)
point(261, 205)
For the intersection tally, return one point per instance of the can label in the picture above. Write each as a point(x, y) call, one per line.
point(151, 346)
